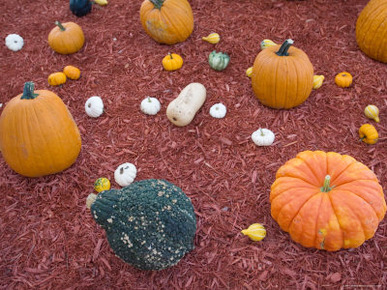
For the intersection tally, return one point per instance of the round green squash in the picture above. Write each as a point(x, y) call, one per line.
point(218, 60)
point(149, 224)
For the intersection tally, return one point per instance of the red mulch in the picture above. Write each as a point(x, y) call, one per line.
point(48, 238)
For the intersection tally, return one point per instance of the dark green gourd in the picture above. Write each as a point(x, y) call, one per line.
point(80, 7)
point(149, 224)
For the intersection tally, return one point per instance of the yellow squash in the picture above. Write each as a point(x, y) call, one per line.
point(256, 232)
point(372, 112)
point(212, 38)
point(368, 134)
point(56, 79)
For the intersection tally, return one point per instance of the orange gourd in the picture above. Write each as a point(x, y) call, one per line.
point(167, 21)
point(38, 135)
point(371, 30)
point(282, 76)
point(66, 38)
point(327, 200)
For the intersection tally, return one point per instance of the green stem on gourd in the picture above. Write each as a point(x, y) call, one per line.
point(157, 3)
point(262, 134)
point(326, 187)
point(149, 100)
point(170, 54)
point(283, 51)
point(28, 91)
point(60, 25)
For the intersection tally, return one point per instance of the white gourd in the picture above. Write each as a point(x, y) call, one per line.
point(183, 109)
point(94, 107)
point(125, 174)
point(263, 137)
point(14, 42)
point(218, 111)
point(150, 106)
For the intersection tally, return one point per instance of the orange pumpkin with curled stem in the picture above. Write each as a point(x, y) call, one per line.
point(327, 200)
point(167, 21)
point(38, 135)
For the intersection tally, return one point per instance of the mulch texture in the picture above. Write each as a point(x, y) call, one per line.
point(48, 238)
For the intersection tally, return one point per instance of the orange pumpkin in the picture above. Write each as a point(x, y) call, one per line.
point(167, 21)
point(327, 200)
point(371, 30)
point(66, 38)
point(38, 135)
point(282, 77)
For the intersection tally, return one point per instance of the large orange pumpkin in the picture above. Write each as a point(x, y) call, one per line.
point(282, 77)
point(327, 200)
point(66, 38)
point(38, 135)
point(371, 30)
point(167, 21)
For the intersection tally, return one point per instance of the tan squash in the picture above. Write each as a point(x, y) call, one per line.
point(183, 109)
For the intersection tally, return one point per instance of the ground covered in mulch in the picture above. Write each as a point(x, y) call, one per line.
point(48, 238)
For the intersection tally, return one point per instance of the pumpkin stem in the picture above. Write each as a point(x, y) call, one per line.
point(60, 25)
point(170, 54)
point(28, 91)
point(326, 187)
point(262, 134)
point(158, 3)
point(283, 50)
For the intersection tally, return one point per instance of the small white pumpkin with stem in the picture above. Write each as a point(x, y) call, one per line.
point(94, 107)
point(218, 111)
point(125, 174)
point(263, 137)
point(372, 112)
point(150, 106)
point(14, 42)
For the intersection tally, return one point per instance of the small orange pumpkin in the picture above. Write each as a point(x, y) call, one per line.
point(38, 135)
point(368, 134)
point(172, 61)
point(66, 38)
point(56, 79)
point(327, 200)
point(343, 79)
point(167, 21)
point(72, 72)
point(282, 76)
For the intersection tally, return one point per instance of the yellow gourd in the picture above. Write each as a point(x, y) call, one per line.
point(266, 43)
point(102, 184)
point(249, 72)
point(101, 2)
point(372, 112)
point(256, 232)
point(56, 79)
point(368, 134)
point(212, 38)
point(317, 81)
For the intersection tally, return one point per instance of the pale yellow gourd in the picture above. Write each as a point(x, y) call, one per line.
point(372, 112)
point(183, 109)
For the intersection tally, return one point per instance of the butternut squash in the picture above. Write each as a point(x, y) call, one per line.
point(183, 109)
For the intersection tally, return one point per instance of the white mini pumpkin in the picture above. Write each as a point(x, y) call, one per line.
point(218, 111)
point(14, 42)
point(125, 174)
point(263, 137)
point(94, 107)
point(150, 106)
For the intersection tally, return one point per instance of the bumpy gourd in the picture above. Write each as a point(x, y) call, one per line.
point(218, 60)
point(368, 134)
point(149, 224)
point(56, 79)
point(72, 72)
point(327, 200)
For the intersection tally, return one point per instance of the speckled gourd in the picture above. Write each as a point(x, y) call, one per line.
point(149, 224)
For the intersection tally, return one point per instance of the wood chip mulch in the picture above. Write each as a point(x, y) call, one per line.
point(48, 239)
